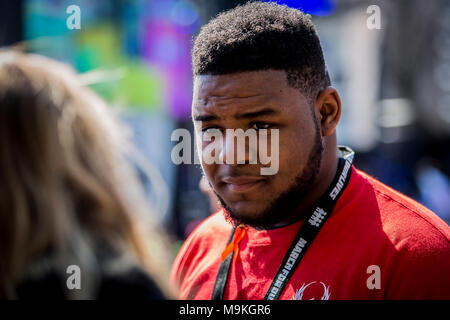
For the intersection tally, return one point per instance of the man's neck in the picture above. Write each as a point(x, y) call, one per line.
point(323, 181)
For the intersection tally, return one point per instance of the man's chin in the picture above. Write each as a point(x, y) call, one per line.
point(237, 219)
point(241, 212)
point(248, 215)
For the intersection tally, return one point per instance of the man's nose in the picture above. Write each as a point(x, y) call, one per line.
point(236, 149)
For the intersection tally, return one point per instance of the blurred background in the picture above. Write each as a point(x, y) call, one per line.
point(394, 83)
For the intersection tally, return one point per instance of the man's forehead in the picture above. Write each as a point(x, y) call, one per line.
point(243, 84)
point(246, 89)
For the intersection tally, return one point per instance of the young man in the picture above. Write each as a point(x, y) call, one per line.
point(318, 228)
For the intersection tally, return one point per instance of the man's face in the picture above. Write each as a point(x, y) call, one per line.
point(259, 100)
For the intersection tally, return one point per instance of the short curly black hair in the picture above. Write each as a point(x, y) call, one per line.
point(262, 36)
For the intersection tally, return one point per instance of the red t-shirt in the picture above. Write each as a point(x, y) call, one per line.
point(376, 244)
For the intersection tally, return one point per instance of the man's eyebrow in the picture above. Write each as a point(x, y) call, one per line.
point(255, 114)
point(205, 117)
point(243, 115)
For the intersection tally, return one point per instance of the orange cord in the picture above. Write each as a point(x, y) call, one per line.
point(239, 234)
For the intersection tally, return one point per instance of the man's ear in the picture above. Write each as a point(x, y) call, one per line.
point(328, 110)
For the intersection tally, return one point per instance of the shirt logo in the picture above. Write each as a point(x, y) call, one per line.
point(299, 293)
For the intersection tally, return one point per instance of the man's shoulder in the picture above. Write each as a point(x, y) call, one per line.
point(409, 242)
point(405, 221)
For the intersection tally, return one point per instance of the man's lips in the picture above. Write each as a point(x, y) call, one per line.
point(241, 183)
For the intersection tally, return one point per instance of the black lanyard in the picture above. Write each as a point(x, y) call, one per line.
point(308, 231)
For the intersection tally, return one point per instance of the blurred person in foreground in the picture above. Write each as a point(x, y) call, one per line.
point(318, 228)
point(69, 196)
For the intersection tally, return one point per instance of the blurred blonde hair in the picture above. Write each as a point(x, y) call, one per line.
point(66, 184)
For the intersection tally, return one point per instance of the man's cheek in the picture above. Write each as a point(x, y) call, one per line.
point(280, 181)
point(209, 170)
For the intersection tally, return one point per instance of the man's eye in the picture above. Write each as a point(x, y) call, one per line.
point(260, 125)
point(210, 130)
